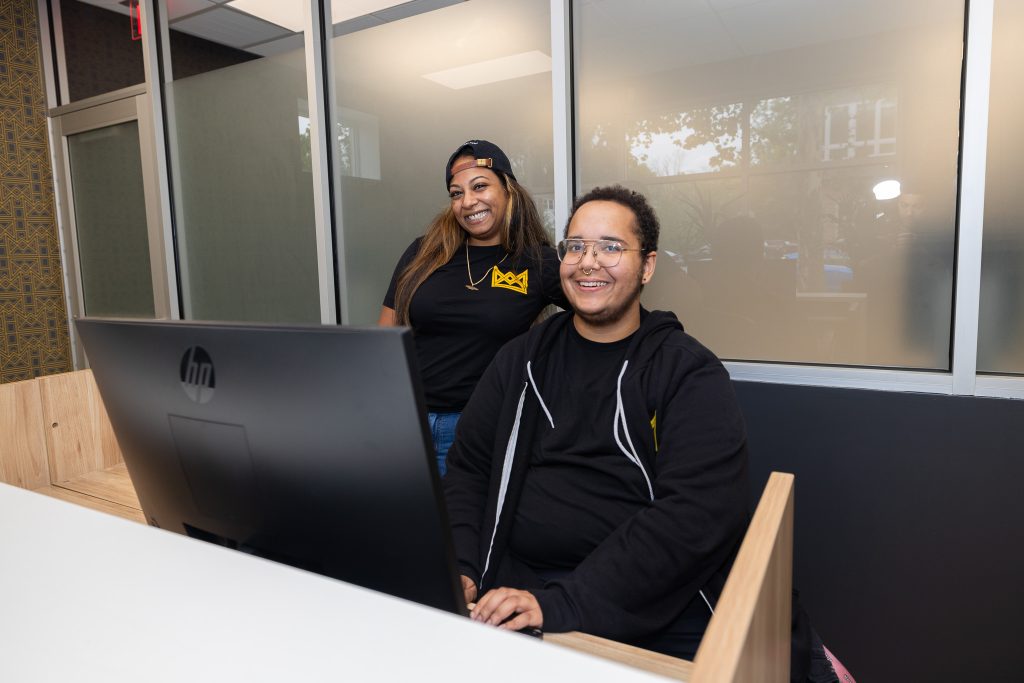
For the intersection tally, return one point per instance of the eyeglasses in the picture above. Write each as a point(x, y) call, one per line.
point(607, 253)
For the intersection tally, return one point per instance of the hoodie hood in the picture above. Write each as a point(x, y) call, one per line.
point(655, 328)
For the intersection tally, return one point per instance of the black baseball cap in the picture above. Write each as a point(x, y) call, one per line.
point(487, 155)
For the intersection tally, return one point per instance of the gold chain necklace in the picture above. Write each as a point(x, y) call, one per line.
point(473, 285)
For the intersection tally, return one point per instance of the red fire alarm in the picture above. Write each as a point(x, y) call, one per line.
point(135, 13)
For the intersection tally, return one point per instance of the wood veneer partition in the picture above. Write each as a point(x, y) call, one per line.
point(23, 442)
point(54, 429)
point(79, 438)
point(748, 638)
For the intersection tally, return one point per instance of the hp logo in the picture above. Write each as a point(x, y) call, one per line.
point(197, 378)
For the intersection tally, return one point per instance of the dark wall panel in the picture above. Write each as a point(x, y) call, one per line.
point(102, 57)
point(909, 525)
point(99, 51)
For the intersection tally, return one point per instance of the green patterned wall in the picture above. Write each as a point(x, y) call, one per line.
point(33, 318)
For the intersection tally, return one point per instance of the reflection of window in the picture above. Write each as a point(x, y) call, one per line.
point(358, 135)
point(696, 141)
point(858, 123)
point(773, 130)
point(758, 132)
point(856, 129)
point(304, 142)
point(546, 206)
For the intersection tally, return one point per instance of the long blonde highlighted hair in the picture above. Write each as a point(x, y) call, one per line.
point(522, 233)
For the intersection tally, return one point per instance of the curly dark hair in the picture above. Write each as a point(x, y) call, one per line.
point(646, 225)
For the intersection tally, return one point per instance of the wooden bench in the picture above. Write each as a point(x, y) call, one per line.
point(57, 440)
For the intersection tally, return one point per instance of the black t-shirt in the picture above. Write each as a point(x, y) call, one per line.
point(580, 486)
point(457, 331)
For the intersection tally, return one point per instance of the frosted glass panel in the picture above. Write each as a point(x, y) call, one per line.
point(763, 133)
point(110, 221)
point(242, 178)
point(1001, 325)
point(397, 127)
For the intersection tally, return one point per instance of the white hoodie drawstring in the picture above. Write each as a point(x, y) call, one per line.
point(506, 475)
point(620, 416)
point(506, 468)
point(533, 383)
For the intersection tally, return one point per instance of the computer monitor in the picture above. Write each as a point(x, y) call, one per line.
point(307, 445)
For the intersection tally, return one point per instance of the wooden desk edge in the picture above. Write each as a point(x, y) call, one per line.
point(653, 662)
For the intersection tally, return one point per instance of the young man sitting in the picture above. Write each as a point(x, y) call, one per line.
point(598, 481)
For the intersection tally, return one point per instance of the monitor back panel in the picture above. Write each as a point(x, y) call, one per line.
point(306, 445)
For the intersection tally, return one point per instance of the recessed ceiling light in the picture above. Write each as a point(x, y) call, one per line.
point(289, 13)
point(492, 70)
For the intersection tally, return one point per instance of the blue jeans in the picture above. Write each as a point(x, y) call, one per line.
point(442, 431)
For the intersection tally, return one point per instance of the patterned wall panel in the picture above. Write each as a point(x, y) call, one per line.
point(33, 319)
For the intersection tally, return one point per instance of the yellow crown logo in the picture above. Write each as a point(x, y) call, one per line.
point(509, 280)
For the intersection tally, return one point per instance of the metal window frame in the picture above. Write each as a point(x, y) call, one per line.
point(562, 118)
point(326, 191)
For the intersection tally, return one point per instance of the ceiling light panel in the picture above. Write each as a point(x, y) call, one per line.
point(492, 70)
point(228, 27)
point(285, 13)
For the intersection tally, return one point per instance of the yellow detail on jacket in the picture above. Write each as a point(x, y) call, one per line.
point(654, 428)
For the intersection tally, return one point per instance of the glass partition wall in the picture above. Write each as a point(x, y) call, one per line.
point(408, 91)
point(1001, 323)
point(110, 221)
point(802, 159)
point(821, 222)
point(238, 126)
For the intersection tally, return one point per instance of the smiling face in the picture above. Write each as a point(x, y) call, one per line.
point(606, 300)
point(478, 200)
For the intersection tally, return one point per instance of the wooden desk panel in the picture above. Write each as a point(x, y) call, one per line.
point(93, 503)
point(748, 638)
point(655, 662)
point(79, 437)
point(23, 446)
point(108, 490)
point(112, 484)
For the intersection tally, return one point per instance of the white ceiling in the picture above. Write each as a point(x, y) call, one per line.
point(667, 33)
point(219, 22)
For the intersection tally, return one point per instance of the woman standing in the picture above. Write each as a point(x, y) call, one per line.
point(480, 276)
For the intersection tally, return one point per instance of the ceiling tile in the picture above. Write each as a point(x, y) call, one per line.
point(229, 27)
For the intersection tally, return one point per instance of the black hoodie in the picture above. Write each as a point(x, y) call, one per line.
point(677, 417)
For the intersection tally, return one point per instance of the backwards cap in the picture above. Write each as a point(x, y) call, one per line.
point(486, 155)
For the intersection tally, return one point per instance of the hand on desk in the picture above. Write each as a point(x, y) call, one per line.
point(508, 608)
point(468, 589)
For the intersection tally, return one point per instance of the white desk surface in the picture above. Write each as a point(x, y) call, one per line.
point(90, 597)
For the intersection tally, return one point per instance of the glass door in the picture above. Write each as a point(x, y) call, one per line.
point(110, 221)
point(113, 241)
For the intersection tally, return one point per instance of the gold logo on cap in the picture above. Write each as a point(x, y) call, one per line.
point(510, 280)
